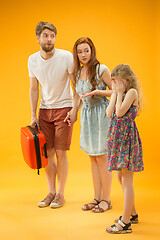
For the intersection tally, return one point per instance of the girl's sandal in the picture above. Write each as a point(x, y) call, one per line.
point(133, 219)
point(98, 209)
point(91, 205)
point(126, 228)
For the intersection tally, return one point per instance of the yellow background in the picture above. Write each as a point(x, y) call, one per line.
point(123, 32)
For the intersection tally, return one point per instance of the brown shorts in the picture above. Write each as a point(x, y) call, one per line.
point(57, 132)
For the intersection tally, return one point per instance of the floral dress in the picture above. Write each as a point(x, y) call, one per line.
point(124, 144)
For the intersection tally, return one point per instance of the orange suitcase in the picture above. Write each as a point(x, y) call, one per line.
point(33, 144)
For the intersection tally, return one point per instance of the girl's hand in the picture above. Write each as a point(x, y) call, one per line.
point(120, 88)
point(113, 85)
point(90, 94)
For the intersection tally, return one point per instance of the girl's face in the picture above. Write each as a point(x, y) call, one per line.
point(118, 79)
point(84, 53)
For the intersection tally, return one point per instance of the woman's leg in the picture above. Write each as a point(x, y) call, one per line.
point(105, 175)
point(96, 184)
point(106, 180)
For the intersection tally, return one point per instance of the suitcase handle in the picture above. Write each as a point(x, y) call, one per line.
point(45, 150)
point(37, 147)
point(45, 145)
point(36, 127)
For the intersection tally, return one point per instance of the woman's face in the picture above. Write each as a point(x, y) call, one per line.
point(84, 53)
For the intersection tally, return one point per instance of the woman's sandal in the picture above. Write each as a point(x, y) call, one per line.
point(133, 219)
point(98, 209)
point(91, 205)
point(126, 228)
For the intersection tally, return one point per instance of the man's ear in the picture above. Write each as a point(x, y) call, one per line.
point(38, 38)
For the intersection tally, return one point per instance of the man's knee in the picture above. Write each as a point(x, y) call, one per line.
point(60, 154)
point(50, 152)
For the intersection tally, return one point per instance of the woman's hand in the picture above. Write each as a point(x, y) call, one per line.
point(96, 91)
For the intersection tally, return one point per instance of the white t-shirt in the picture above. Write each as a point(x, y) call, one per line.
point(53, 76)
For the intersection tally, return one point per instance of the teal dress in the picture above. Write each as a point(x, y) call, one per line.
point(94, 121)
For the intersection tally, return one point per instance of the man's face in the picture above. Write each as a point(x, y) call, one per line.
point(47, 40)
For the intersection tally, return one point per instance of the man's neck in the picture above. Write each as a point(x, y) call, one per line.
point(47, 55)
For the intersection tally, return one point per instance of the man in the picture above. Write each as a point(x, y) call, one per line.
point(51, 68)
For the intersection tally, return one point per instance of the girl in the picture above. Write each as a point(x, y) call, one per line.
point(123, 142)
point(89, 74)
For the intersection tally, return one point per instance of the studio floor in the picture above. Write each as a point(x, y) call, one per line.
point(20, 218)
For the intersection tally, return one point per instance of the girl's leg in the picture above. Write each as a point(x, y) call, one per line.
point(119, 176)
point(96, 184)
point(134, 212)
point(106, 180)
point(127, 183)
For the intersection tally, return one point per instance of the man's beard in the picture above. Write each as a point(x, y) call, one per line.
point(47, 48)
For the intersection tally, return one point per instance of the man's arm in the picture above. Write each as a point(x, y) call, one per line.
point(34, 95)
point(72, 114)
point(77, 103)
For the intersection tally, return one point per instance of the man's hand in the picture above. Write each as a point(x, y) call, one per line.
point(34, 121)
point(71, 117)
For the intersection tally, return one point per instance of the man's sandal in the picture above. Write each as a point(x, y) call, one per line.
point(91, 205)
point(126, 228)
point(133, 219)
point(46, 202)
point(98, 209)
point(58, 201)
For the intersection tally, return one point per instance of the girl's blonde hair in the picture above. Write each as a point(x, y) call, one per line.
point(92, 64)
point(125, 72)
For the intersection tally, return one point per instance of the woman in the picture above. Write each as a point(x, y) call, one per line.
point(88, 75)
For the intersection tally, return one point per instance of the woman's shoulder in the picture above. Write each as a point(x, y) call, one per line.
point(101, 68)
